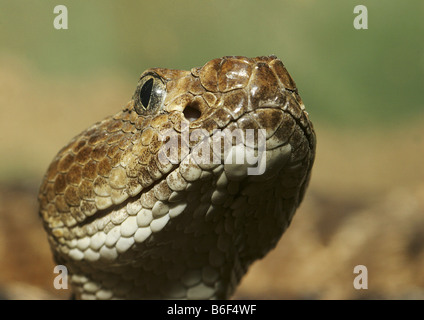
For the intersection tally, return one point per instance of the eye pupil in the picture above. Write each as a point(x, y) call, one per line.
point(146, 92)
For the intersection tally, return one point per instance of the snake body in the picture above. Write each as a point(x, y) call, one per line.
point(132, 220)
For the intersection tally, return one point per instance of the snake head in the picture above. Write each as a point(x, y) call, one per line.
point(192, 181)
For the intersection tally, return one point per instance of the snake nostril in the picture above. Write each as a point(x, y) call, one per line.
point(191, 112)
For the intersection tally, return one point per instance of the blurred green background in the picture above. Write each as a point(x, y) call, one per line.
point(362, 88)
point(343, 73)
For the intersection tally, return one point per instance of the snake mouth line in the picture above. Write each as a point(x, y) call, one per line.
point(104, 212)
point(219, 155)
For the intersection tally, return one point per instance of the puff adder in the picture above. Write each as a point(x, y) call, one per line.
point(133, 216)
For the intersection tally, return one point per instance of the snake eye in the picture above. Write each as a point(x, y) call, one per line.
point(150, 94)
point(146, 92)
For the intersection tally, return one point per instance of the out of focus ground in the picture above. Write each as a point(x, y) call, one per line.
point(364, 206)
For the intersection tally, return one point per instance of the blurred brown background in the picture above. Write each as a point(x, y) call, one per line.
point(363, 90)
